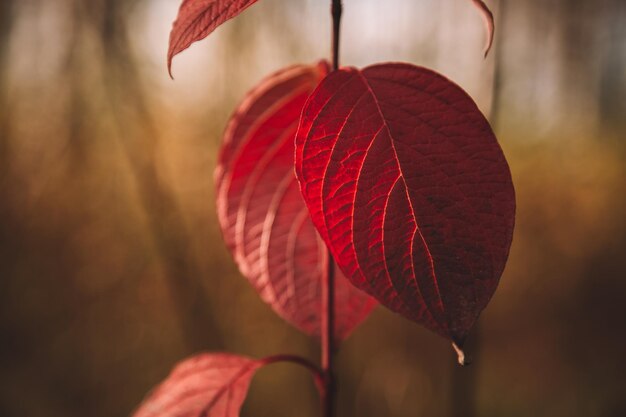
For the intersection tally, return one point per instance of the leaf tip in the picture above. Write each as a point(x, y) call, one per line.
point(171, 53)
point(462, 358)
point(172, 50)
point(489, 23)
point(169, 67)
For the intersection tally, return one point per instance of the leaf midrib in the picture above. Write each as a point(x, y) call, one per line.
point(417, 226)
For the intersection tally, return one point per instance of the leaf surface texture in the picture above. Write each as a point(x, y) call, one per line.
point(407, 184)
point(207, 385)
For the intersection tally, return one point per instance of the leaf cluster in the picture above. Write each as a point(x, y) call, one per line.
point(381, 185)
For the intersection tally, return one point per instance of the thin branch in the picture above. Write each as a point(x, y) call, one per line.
point(328, 285)
point(336, 10)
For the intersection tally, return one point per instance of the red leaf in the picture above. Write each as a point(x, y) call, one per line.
point(488, 19)
point(406, 183)
point(207, 385)
point(263, 217)
point(197, 19)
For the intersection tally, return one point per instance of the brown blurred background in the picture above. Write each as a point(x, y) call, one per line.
point(112, 266)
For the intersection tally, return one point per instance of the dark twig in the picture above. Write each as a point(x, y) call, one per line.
point(336, 9)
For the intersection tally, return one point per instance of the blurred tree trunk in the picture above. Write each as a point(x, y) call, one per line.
point(78, 114)
point(132, 123)
point(612, 91)
point(6, 24)
point(6, 21)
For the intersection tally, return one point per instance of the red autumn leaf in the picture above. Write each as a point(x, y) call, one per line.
point(406, 183)
point(261, 211)
point(488, 19)
point(197, 19)
point(207, 385)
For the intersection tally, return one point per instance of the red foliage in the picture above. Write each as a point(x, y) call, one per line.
point(207, 385)
point(403, 179)
point(406, 183)
point(197, 19)
point(261, 211)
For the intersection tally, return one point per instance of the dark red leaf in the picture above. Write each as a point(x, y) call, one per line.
point(197, 19)
point(207, 385)
point(406, 183)
point(261, 211)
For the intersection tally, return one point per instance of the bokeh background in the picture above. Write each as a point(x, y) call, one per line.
point(112, 267)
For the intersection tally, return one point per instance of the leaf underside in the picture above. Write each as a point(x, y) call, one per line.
point(406, 183)
point(197, 19)
point(207, 385)
point(263, 217)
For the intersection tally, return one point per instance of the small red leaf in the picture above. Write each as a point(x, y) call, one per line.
point(261, 211)
point(489, 25)
point(406, 183)
point(207, 385)
point(197, 19)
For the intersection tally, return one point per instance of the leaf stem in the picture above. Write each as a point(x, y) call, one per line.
point(318, 374)
point(336, 10)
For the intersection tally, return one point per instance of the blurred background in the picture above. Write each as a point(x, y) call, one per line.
point(112, 266)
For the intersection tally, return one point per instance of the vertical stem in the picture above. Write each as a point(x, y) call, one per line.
point(328, 286)
point(336, 9)
point(328, 335)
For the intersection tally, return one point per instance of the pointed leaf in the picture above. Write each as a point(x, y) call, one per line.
point(265, 222)
point(207, 385)
point(489, 24)
point(197, 19)
point(406, 183)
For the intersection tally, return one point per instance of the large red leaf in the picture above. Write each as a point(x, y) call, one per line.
point(207, 385)
point(197, 19)
point(406, 183)
point(261, 211)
